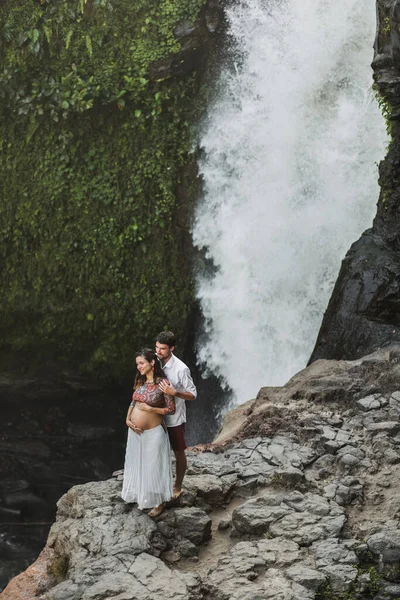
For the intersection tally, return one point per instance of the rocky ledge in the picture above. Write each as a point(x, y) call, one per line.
point(298, 499)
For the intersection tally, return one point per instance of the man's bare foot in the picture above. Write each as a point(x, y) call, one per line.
point(157, 510)
point(177, 494)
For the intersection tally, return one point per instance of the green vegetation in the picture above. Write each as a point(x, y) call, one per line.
point(59, 568)
point(325, 592)
point(386, 109)
point(95, 136)
point(386, 26)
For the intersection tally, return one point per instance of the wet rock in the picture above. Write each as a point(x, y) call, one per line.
point(197, 41)
point(389, 564)
point(90, 432)
point(388, 592)
point(363, 312)
point(24, 500)
point(184, 29)
point(213, 16)
point(28, 448)
point(14, 485)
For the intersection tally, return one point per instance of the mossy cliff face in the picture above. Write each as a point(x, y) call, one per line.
point(97, 101)
point(364, 310)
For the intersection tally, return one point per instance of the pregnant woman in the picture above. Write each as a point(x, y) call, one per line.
point(147, 470)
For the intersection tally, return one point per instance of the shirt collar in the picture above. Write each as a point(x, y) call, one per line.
point(170, 363)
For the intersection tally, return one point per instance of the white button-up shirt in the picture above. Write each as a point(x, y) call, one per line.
point(179, 375)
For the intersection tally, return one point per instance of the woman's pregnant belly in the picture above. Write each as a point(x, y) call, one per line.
point(144, 419)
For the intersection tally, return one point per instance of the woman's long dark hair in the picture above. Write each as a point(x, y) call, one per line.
point(149, 355)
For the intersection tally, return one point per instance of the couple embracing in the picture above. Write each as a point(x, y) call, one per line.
point(156, 420)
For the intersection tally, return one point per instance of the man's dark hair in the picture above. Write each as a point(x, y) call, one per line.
point(166, 337)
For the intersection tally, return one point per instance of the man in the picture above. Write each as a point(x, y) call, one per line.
point(180, 385)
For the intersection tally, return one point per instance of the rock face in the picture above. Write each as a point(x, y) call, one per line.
point(363, 313)
point(302, 503)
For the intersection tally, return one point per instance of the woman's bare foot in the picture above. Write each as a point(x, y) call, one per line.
point(157, 510)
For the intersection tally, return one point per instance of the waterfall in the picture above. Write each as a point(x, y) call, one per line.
point(290, 146)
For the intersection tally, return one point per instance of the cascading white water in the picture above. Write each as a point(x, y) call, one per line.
point(290, 177)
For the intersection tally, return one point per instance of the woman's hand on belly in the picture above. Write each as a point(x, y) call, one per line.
point(145, 419)
point(134, 427)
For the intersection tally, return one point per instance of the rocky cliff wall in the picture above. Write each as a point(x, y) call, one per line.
point(363, 312)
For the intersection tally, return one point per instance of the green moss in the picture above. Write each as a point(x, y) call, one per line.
point(59, 568)
point(386, 26)
point(93, 142)
point(386, 109)
point(325, 591)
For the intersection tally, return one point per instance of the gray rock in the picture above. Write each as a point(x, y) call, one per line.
point(309, 578)
point(388, 592)
point(388, 537)
point(208, 463)
point(344, 494)
point(324, 466)
point(301, 518)
point(246, 572)
point(352, 451)
point(92, 521)
point(389, 564)
point(193, 524)
point(289, 477)
point(255, 516)
point(66, 590)
point(146, 578)
point(369, 403)
point(212, 489)
point(332, 552)
point(349, 460)
point(171, 556)
point(341, 577)
point(224, 524)
point(391, 427)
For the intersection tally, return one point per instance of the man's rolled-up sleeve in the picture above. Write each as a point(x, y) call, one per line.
point(187, 383)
